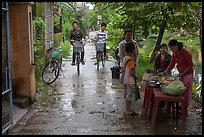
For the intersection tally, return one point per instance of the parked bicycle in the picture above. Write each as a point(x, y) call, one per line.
point(78, 47)
point(100, 55)
point(52, 68)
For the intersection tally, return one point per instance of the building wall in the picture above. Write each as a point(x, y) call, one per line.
point(22, 57)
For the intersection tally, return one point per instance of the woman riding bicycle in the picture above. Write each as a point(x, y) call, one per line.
point(76, 35)
point(102, 37)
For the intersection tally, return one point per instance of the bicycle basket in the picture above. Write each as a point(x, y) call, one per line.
point(55, 53)
point(99, 47)
point(78, 47)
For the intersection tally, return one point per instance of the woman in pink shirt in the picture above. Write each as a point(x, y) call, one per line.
point(183, 59)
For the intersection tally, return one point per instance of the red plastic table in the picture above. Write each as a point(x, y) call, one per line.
point(160, 96)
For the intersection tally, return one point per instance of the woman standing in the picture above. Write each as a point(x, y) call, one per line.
point(183, 58)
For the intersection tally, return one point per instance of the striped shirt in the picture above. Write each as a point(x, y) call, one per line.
point(102, 36)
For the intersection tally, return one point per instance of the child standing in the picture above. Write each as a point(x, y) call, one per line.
point(129, 80)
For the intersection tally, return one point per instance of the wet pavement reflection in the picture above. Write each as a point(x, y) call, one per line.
point(93, 104)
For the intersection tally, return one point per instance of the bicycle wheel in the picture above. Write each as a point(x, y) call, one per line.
point(50, 72)
point(98, 59)
point(102, 60)
point(78, 63)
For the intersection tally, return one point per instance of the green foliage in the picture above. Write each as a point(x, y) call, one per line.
point(143, 66)
point(196, 91)
point(65, 48)
point(57, 27)
point(58, 38)
point(67, 27)
point(38, 43)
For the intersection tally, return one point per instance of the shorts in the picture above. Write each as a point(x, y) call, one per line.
point(129, 93)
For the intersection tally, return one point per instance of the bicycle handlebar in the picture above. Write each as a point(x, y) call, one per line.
point(76, 41)
point(50, 42)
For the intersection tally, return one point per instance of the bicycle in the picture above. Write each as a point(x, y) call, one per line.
point(78, 47)
point(52, 68)
point(100, 55)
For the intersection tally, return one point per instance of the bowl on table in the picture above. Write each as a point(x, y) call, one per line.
point(153, 83)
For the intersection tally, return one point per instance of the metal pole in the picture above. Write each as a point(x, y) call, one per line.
point(9, 64)
point(99, 14)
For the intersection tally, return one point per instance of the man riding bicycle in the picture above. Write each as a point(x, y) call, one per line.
point(102, 36)
point(76, 35)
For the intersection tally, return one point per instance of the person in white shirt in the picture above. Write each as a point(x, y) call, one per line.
point(102, 37)
point(128, 38)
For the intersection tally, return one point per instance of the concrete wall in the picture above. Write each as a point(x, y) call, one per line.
point(22, 55)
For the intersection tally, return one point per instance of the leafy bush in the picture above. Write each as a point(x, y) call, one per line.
point(196, 91)
point(39, 26)
point(65, 48)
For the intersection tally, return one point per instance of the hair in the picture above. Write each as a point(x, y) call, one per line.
point(174, 42)
point(127, 30)
point(75, 22)
point(163, 45)
point(129, 47)
point(103, 24)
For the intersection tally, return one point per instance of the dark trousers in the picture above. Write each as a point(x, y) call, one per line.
point(74, 56)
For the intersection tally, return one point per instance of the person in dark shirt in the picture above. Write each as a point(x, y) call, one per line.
point(162, 60)
point(77, 35)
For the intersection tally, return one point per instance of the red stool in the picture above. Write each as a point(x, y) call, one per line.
point(160, 96)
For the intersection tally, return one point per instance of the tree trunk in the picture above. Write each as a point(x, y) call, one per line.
point(133, 30)
point(201, 34)
point(159, 39)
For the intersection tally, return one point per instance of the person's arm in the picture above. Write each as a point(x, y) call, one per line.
point(106, 36)
point(123, 68)
point(71, 37)
point(121, 51)
point(136, 52)
point(95, 37)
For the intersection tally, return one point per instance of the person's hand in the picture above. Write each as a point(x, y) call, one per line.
point(161, 73)
point(72, 42)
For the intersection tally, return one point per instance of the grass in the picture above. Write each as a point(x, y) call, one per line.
point(143, 66)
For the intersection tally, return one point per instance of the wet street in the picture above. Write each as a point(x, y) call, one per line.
point(93, 104)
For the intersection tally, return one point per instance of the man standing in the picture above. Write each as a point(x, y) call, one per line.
point(76, 35)
point(128, 38)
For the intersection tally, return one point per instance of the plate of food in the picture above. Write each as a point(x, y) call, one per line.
point(165, 79)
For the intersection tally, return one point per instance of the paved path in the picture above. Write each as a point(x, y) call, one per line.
point(92, 104)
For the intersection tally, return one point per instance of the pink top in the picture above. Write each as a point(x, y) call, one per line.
point(183, 60)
